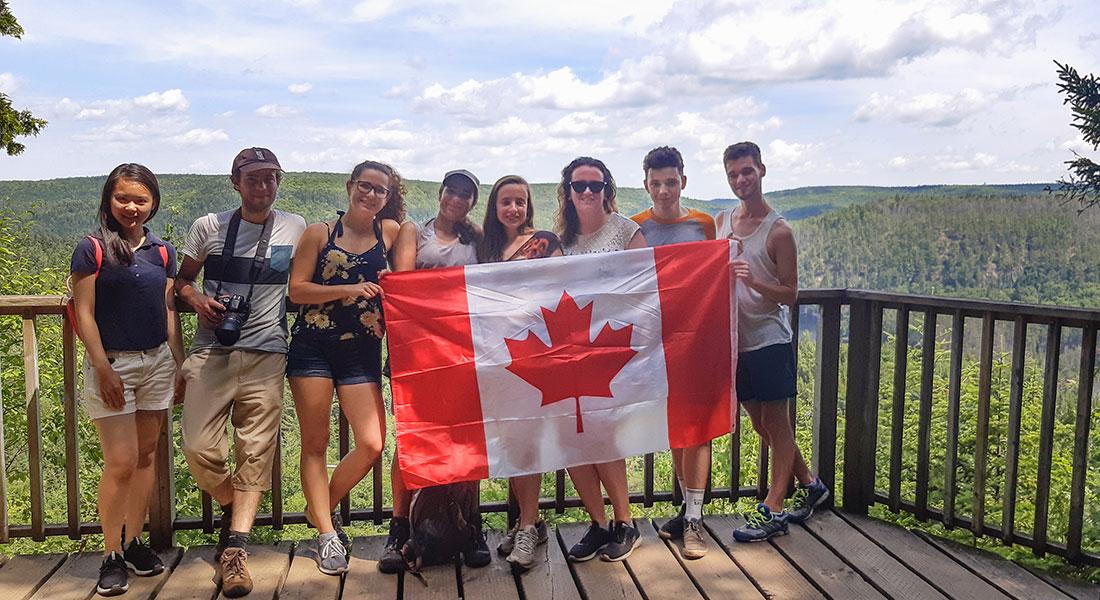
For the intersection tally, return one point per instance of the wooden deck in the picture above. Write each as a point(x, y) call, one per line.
point(836, 556)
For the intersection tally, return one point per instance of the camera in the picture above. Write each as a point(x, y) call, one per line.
point(235, 316)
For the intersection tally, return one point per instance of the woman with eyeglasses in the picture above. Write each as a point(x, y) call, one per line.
point(588, 222)
point(337, 344)
point(449, 239)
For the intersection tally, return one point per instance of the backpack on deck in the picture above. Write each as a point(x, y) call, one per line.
point(444, 520)
point(70, 303)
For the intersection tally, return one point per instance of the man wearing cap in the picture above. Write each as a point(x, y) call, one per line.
point(238, 357)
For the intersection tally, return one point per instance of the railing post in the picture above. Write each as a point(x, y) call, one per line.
point(825, 393)
point(861, 404)
point(162, 506)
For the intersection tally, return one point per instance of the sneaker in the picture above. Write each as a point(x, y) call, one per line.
point(223, 531)
point(523, 552)
point(508, 543)
point(392, 561)
point(113, 579)
point(236, 580)
point(806, 498)
point(624, 539)
point(673, 529)
point(337, 526)
point(332, 556)
point(477, 554)
point(760, 525)
point(695, 545)
point(593, 541)
point(141, 559)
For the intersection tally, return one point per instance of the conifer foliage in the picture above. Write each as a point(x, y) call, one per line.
point(1082, 93)
point(13, 122)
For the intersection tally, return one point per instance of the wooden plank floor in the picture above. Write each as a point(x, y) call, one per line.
point(835, 556)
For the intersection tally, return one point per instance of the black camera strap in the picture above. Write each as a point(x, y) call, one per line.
point(259, 260)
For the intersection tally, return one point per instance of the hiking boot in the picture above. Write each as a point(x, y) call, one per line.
point(593, 541)
point(477, 554)
point(805, 499)
point(392, 561)
point(141, 559)
point(760, 525)
point(695, 545)
point(508, 543)
point(236, 580)
point(332, 556)
point(673, 529)
point(113, 579)
point(337, 526)
point(624, 539)
point(223, 531)
point(523, 552)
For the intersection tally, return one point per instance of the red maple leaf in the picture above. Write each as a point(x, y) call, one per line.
point(572, 366)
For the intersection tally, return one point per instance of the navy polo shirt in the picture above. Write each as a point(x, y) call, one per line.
point(129, 301)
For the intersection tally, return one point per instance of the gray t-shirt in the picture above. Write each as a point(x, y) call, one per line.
point(265, 330)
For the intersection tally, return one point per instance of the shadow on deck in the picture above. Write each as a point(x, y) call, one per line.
point(836, 555)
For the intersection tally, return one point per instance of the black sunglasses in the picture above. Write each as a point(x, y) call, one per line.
point(579, 186)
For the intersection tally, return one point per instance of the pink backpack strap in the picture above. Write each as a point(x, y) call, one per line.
point(164, 256)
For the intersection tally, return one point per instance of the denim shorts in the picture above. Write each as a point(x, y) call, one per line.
point(345, 362)
point(766, 374)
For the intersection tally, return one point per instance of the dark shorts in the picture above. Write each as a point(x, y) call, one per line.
point(345, 362)
point(766, 374)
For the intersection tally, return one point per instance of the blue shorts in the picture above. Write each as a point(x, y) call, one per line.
point(766, 374)
point(345, 362)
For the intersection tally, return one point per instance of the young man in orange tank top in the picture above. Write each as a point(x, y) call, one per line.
point(766, 375)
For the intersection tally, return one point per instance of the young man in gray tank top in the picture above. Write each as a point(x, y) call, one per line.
point(767, 284)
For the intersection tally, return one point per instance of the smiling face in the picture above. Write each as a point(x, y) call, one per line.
point(664, 186)
point(131, 204)
point(257, 189)
point(369, 192)
point(587, 201)
point(456, 199)
point(513, 206)
point(744, 176)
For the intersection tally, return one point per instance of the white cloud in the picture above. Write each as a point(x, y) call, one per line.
point(371, 10)
point(200, 137)
point(1077, 145)
point(154, 102)
point(274, 111)
point(898, 162)
point(786, 154)
point(931, 109)
point(166, 100)
point(299, 88)
point(8, 84)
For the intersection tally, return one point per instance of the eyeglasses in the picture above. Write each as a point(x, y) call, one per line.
point(595, 186)
point(365, 187)
point(466, 195)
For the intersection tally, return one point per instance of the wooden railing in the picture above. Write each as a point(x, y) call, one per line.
point(842, 319)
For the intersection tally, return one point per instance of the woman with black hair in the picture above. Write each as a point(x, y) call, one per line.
point(122, 276)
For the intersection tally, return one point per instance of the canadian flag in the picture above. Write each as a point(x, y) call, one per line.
point(531, 366)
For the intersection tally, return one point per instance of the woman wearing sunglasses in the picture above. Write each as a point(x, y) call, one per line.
point(337, 344)
point(449, 239)
point(588, 223)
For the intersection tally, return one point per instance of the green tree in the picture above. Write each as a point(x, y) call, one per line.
point(1082, 185)
point(13, 122)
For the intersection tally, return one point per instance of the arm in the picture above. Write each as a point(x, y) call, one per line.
point(302, 289)
point(404, 249)
point(637, 241)
point(110, 384)
point(781, 249)
point(208, 309)
point(175, 332)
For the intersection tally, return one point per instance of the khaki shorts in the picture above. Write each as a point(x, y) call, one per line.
point(244, 387)
point(147, 380)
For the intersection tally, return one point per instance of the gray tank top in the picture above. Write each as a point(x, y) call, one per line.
point(433, 254)
point(760, 322)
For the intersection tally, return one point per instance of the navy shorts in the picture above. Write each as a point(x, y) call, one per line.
point(345, 362)
point(766, 374)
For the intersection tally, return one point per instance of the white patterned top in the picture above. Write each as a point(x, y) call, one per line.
point(614, 235)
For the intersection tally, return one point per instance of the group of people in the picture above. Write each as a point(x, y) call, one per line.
point(125, 284)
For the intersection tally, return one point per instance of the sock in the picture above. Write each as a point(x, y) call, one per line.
point(237, 539)
point(693, 503)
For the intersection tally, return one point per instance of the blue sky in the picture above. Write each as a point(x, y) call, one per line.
point(835, 92)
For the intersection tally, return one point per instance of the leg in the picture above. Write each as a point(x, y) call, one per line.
point(586, 479)
point(210, 390)
point(362, 406)
point(774, 418)
point(149, 424)
point(401, 494)
point(256, 416)
point(119, 441)
point(313, 403)
point(613, 476)
point(526, 488)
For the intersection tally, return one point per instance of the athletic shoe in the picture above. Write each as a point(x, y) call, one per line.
point(806, 498)
point(504, 548)
point(332, 556)
point(476, 554)
point(141, 559)
point(236, 580)
point(695, 545)
point(624, 539)
point(673, 529)
point(113, 579)
point(337, 526)
point(760, 525)
point(593, 541)
point(391, 560)
point(523, 552)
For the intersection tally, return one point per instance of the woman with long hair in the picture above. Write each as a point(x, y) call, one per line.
point(122, 276)
point(589, 222)
point(449, 239)
point(337, 344)
point(510, 234)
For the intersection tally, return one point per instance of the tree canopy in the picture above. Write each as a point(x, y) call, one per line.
point(14, 122)
point(1082, 92)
